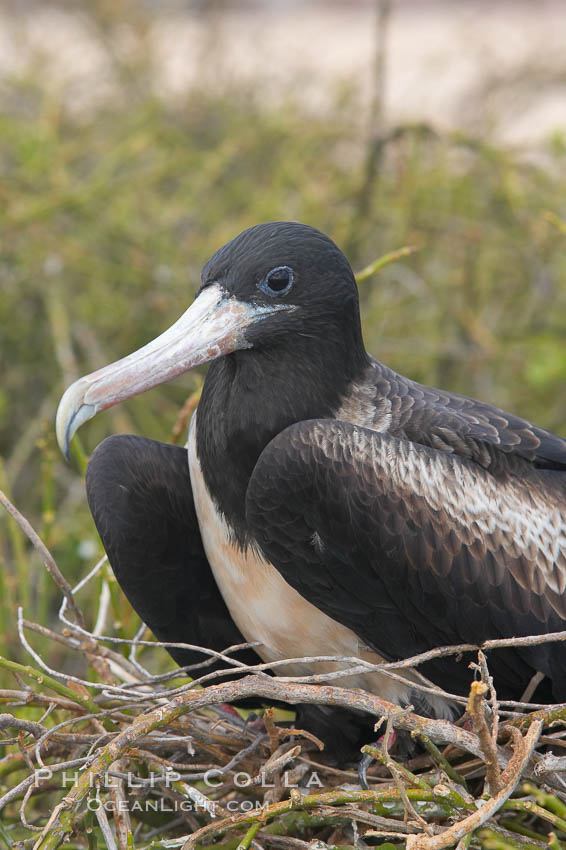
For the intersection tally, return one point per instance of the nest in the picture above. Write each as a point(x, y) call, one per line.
point(130, 759)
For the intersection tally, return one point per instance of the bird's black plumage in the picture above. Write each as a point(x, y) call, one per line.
point(391, 517)
point(139, 494)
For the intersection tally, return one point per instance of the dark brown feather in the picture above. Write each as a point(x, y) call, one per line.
point(405, 524)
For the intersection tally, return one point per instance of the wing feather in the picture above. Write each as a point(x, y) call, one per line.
point(388, 402)
point(415, 546)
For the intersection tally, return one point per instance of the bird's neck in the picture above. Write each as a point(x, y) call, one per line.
point(248, 398)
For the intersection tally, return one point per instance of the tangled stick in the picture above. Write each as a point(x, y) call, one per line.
point(523, 750)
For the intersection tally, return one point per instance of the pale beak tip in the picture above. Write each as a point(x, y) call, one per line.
point(71, 414)
point(65, 450)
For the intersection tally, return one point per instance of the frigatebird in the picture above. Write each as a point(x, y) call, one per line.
point(326, 505)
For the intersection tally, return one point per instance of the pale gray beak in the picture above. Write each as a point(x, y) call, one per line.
point(212, 327)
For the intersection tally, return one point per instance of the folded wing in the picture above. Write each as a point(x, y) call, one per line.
point(414, 547)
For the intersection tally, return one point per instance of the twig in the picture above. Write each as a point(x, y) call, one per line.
point(279, 759)
point(103, 605)
point(8, 720)
point(23, 818)
point(46, 556)
point(455, 833)
point(249, 836)
point(22, 786)
point(28, 697)
point(102, 819)
point(43, 678)
point(477, 714)
point(116, 662)
point(399, 774)
point(439, 759)
point(391, 257)
point(532, 808)
point(120, 810)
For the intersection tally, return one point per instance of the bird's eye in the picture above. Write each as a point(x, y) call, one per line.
point(278, 281)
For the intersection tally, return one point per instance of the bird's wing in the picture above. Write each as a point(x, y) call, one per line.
point(139, 493)
point(454, 423)
point(481, 432)
point(412, 547)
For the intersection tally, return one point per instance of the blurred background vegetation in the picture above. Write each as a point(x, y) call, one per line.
point(109, 208)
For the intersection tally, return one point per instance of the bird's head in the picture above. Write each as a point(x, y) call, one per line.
point(279, 286)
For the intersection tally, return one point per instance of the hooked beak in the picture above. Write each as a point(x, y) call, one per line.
point(212, 327)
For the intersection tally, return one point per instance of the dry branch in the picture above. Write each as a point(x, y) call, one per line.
point(46, 556)
point(512, 776)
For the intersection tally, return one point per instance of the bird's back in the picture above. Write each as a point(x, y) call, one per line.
point(390, 403)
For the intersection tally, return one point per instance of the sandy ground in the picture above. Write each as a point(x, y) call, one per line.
point(484, 65)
